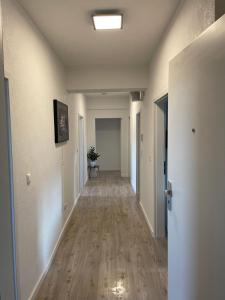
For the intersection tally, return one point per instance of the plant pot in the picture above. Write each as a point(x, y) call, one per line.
point(93, 163)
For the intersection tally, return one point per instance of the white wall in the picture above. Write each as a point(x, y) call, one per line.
point(108, 142)
point(110, 107)
point(191, 18)
point(107, 78)
point(111, 101)
point(36, 77)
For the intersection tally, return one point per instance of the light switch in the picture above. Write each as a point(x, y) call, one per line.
point(28, 178)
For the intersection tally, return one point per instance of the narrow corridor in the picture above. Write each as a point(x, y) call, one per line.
point(107, 251)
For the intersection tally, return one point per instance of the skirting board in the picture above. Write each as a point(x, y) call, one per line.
point(147, 220)
point(43, 275)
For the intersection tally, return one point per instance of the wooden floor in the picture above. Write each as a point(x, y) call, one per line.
point(107, 251)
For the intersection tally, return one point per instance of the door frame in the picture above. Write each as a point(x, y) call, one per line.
point(81, 153)
point(8, 280)
point(138, 154)
point(159, 154)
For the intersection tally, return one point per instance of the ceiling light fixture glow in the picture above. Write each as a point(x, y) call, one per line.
point(107, 22)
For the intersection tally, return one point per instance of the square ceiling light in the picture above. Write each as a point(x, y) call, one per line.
point(108, 21)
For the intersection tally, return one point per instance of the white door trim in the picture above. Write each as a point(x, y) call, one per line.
point(8, 271)
point(159, 155)
point(81, 152)
point(138, 154)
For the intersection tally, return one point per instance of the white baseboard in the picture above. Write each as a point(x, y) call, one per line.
point(43, 275)
point(74, 205)
point(147, 220)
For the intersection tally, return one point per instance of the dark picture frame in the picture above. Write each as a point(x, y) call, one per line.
point(61, 121)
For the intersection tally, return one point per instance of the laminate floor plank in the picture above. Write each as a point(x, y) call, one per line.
point(107, 251)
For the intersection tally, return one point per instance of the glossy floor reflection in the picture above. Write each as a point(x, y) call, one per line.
point(107, 251)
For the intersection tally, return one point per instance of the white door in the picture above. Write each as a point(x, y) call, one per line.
point(8, 289)
point(81, 153)
point(197, 169)
point(138, 152)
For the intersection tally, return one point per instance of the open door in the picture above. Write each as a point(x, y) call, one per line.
point(161, 165)
point(8, 286)
point(138, 153)
point(81, 153)
point(197, 169)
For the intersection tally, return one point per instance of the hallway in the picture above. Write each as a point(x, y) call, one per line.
point(107, 251)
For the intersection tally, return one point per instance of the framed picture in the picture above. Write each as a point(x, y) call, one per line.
point(61, 122)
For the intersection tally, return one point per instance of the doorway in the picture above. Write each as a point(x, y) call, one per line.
point(8, 270)
point(108, 143)
point(138, 152)
point(81, 153)
point(8, 284)
point(161, 166)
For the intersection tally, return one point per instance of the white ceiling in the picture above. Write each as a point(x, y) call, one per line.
point(68, 26)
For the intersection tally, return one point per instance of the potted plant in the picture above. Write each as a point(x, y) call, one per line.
point(92, 156)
